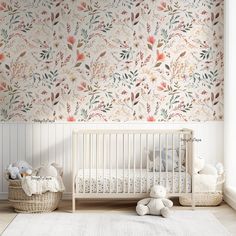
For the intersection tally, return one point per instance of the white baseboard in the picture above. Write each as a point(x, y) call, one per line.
point(3, 196)
point(230, 196)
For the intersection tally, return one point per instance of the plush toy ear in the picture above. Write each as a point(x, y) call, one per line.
point(58, 167)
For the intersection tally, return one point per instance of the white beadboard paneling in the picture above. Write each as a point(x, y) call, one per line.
point(36, 145)
point(51, 142)
point(5, 152)
point(21, 142)
point(44, 148)
point(1, 158)
point(29, 143)
point(13, 136)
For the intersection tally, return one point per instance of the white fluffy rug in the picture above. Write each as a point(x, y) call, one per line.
point(181, 223)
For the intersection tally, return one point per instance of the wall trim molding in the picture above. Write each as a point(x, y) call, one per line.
point(116, 123)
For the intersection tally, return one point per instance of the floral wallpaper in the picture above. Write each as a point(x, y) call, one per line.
point(111, 60)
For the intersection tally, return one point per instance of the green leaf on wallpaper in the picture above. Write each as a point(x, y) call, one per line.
point(127, 3)
point(84, 34)
point(125, 54)
point(4, 35)
point(167, 67)
point(78, 64)
point(158, 64)
point(14, 19)
point(150, 46)
point(164, 113)
point(79, 45)
point(159, 44)
point(7, 67)
point(84, 113)
point(69, 46)
point(46, 53)
point(164, 34)
point(107, 27)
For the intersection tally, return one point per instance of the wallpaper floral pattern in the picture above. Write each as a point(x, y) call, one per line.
point(111, 60)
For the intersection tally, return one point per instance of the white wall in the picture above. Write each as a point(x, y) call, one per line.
point(46, 143)
point(230, 105)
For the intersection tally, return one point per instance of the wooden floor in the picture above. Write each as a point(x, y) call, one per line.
point(225, 214)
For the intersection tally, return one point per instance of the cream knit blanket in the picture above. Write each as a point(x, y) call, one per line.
point(38, 184)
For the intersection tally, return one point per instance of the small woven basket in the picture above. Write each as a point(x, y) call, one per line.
point(36, 203)
point(202, 199)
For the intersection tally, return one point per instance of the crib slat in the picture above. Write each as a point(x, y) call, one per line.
point(96, 156)
point(167, 149)
point(116, 165)
point(123, 137)
point(103, 171)
point(128, 164)
point(109, 153)
point(141, 163)
point(147, 163)
point(134, 178)
point(173, 171)
point(154, 161)
point(186, 164)
point(180, 143)
point(83, 163)
point(160, 159)
point(90, 164)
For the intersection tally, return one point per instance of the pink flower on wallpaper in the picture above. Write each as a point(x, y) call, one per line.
point(162, 6)
point(151, 39)
point(2, 86)
point(151, 119)
point(2, 57)
point(82, 6)
point(162, 86)
point(71, 119)
point(71, 39)
point(82, 86)
point(2, 6)
point(160, 56)
point(80, 56)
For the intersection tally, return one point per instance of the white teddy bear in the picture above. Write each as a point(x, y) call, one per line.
point(157, 204)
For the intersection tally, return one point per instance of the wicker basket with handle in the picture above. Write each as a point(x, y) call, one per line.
point(202, 199)
point(36, 203)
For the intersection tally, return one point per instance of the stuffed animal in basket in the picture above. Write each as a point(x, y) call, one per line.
point(157, 204)
point(19, 169)
point(53, 170)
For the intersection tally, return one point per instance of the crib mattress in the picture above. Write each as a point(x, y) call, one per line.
point(126, 183)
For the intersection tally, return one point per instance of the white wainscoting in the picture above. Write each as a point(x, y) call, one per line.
point(44, 143)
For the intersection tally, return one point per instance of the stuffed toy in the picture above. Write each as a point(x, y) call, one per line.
point(13, 172)
point(25, 168)
point(166, 160)
point(18, 169)
point(199, 164)
point(53, 170)
point(157, 204)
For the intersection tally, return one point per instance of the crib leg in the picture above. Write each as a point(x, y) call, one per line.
point(73, 204)
point(193, 202)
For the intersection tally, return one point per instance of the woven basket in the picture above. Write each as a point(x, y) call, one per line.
point(36, 203)
point(202, 199)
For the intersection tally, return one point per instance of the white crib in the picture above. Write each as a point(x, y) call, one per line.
point(125, 164)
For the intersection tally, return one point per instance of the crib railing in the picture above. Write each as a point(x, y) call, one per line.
point(127, 163)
